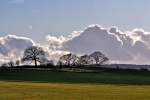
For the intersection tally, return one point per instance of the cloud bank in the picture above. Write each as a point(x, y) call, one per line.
point(121, 47)
point(12, 47)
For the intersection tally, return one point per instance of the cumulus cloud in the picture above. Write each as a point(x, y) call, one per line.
point(95, 37)
point(122, 47)
point(55, 42)
point(12, 47)
point(54, 46)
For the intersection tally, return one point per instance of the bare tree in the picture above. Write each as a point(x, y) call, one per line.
point(104, 60)
point(99, 57)
point(17, 62)
point(50, 63)
point(68, 59)
point(10, 64)
point(85, 60)
point(47, 62)
point(59, 63)
point(33, 53)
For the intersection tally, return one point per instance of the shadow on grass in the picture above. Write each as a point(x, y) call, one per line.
point(108, 77)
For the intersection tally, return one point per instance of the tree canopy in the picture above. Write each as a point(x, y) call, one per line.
point(34, 53)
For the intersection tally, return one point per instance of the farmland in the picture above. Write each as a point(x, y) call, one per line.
point(108, 85)
point(56, 91)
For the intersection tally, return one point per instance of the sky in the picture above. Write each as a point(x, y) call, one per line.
point(118, 28)
point(37, 18)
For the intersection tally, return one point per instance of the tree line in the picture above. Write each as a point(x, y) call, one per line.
point(35, 54)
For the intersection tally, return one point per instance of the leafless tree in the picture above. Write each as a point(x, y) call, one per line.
point(33, 53)
point(99, 57)
point(10, 64)
point(47, 62)
point(17, 62)
point(85, 60)
point(68, 59)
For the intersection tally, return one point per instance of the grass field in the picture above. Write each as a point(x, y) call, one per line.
point(108, 77)
point(47, 85)
point(54, 91)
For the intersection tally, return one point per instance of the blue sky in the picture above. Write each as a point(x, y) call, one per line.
point(37, 18)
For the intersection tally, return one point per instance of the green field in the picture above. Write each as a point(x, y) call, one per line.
point(54, 91)
point(47, 85)
point(107, 77)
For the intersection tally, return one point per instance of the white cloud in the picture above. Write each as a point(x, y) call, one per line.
point(55, 42)
point(12, 47)
point(54, 46)
point(123, 47)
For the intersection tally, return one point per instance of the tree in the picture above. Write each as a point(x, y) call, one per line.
point(47, 62)
point(85, 60)
point(34, 53)
point(99, 57)
point(68, 59)
point(59, 63)
point(50, 63)
point(17, 62)
point(10, 64)
point(104, 60)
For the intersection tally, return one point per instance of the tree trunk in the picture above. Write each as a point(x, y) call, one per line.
point(35, 61)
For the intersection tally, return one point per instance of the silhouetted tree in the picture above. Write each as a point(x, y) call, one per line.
point(68, 59)
point(47, 62)
point(99, 57)
point(85, 60)
point(33, 53)
point(17, 62)
point(104, 60)
point(50, 63)
point(10, 64)
point(59, 63)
